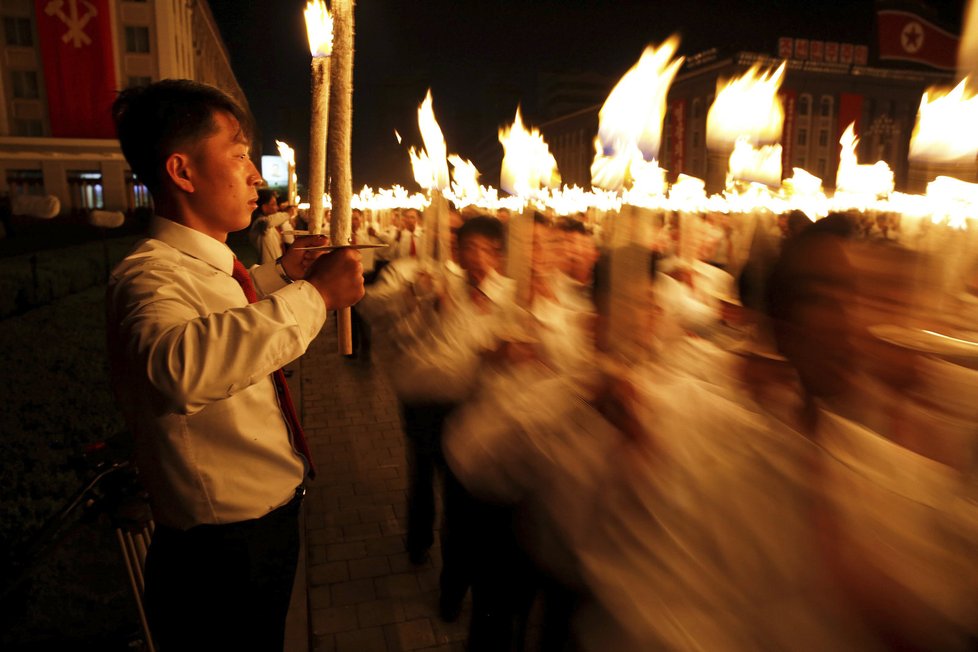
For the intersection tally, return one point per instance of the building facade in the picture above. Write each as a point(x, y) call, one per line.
point(61, 63)
point(820, 99)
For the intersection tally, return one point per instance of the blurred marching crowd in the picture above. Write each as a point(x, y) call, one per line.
point(718, 451)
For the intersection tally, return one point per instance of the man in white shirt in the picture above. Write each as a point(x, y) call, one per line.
point(193, 352)
point(410, 239)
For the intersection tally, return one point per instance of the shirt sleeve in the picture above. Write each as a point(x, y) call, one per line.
point(193, 355)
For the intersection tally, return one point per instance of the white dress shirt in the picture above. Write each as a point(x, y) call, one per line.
point(191, 365)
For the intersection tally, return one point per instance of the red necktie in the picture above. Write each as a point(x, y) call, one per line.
point(243, 278)
point(414, 250)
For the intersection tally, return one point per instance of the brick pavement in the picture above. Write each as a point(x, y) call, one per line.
point(364, 594)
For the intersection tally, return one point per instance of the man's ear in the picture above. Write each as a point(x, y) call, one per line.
point(178, 170)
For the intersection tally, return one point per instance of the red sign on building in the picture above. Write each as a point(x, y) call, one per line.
point(845, 53)
point(831, 52)
point(816, 50)
point(786, 47)
point(801, 48)
point(860, 55)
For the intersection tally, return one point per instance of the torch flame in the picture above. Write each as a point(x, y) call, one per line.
point(630, 130)
point(286, 152)
point(434, 144)
point(876, 179)
point(528, 164)
point(755, 164)
point(748, 107)
point(319, 28)
point(398, 136)
point(465, 179)
point(945, 130)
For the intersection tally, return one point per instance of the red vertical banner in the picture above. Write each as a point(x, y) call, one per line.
point(678, 153)
point(79, 69)
point(789, 99)
point(850, 110)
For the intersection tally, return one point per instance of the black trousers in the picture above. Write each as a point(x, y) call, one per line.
point(423, 424)
point(223, 587)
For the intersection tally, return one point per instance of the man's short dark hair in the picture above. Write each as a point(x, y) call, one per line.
point(154, 121)
point(487, 227)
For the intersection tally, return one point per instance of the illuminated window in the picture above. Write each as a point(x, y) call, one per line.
point(137, 192)
point(85, 188)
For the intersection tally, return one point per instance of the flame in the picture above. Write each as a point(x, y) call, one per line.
point(286, 152)
point(945, 131)
point(398, 136)
point(876, 179)
point(749, 163)
point(319, 28)
point(465, 179)
point(528, 164)
point(746, 107)
point(630, 130)
point(421, 167)
point(802, 183)
point(434, 143)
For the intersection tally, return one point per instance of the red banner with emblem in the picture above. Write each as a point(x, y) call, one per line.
point(79, 69)
point(789, 98)
point(906, 36)
point(678, 154)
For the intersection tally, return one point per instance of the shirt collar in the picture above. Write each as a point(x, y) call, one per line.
point(193, 243)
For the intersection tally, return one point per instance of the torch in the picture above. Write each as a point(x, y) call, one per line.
point(340, 133)
point(319, 28)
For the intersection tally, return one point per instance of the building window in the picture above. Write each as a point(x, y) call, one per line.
point(137, 192)
point(139, 81)
point(823, 138)
point(24, 84)
point(17, 32)
point(137, 39)
point(28, 128)
point(826, 106)
point(802, 137)
point(697, 110)
point(804, 105)
point(821, 168)
point(85, 188)
point(25, 182)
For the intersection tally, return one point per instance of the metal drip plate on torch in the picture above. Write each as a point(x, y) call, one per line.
point(329, 248)
point(924, 341)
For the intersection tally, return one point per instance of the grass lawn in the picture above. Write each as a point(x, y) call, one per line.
point(57, 400)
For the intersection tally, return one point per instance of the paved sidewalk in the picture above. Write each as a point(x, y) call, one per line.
point(364, 594)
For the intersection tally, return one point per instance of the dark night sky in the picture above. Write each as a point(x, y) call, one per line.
point(481, 58)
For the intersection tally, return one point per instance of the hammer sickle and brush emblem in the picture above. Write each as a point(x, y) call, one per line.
point(75, 23)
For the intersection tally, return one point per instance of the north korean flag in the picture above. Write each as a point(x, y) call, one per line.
point(907, 36)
